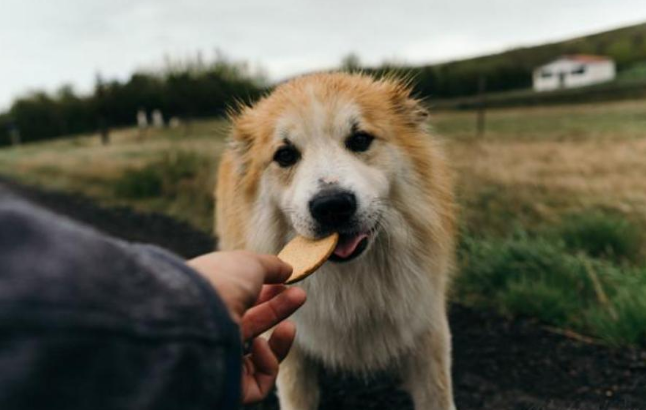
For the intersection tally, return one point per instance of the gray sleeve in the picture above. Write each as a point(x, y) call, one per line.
point(88, 321)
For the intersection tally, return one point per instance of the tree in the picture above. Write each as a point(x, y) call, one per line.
point(351, 63)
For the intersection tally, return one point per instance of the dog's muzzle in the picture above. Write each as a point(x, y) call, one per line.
point(334, 210)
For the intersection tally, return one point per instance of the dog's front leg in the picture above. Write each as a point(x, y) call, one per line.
point(427, 371)
point(298, 387)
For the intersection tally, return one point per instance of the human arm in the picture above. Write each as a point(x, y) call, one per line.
point(93, 322)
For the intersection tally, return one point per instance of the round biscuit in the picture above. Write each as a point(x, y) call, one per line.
point(307, 255)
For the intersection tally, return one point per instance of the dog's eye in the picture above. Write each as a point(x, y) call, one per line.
point(286, 156)
point(359, 141)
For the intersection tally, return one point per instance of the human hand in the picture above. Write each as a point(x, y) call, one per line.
point(238, 277)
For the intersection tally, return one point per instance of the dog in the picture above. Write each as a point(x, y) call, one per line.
point(348, 153)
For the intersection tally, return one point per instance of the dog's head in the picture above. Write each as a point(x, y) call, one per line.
point(326, 151)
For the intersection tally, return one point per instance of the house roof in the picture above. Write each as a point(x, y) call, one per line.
point(577, 58)
point(584, 58)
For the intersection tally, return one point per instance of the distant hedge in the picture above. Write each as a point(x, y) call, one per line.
point(619, 90)
point(190, 91)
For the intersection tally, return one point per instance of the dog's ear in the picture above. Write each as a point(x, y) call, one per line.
point(241, 146)
point(241, 136)
point(416, 111)
point(240, 142)
point(412, 109)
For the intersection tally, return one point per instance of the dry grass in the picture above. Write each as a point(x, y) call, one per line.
point(545, 179)
point(535, 164)
point(606, 121)
point(82, 164)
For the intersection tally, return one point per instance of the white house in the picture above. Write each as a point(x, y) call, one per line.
point(573, 71)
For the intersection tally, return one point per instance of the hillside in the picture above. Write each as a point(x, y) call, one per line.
point(512, 69)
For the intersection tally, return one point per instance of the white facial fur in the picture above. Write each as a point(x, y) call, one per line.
point(319, 133)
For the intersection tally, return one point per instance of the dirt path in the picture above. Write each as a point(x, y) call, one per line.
point(499, 363)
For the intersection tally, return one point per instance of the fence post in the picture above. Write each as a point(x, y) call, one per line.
point(482, 102)
point(102, 111)
point(14, 134)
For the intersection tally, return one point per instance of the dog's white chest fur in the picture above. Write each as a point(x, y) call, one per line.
point(364, 315)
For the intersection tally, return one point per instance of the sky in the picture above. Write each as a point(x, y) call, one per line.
point(46, 44)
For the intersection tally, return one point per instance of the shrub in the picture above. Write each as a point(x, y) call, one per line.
point(139, 183)
point(626, 324)
point(601, 235)
point(180, 181)
point(176, 166)
point(539, 277)
point(161, 177)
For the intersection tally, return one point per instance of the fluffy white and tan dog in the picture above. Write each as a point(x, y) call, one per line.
point(350, 154)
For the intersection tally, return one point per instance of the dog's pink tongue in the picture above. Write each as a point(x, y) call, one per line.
point(347, 245)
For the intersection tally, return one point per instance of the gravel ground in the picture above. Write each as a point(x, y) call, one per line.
point(499, 363)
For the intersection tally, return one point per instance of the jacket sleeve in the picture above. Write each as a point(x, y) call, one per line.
point(91, 322)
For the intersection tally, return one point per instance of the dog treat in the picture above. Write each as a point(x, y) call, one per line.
point(307, 255)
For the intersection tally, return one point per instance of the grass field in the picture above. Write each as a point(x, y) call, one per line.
point(553, 202)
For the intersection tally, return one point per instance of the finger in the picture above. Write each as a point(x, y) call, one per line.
point(266, 315)
point(265, 365)
point(269, 292)
point(281, 339)
point(276, 271)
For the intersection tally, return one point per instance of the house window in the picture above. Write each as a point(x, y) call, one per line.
point(579, 70)
point(546, 74)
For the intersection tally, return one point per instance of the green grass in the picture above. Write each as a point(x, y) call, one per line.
point(540, 277)
point(601, 235)
point(139, 183)
point(162, 177)
point(179, 178)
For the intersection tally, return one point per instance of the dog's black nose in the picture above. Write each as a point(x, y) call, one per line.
point(333, 208)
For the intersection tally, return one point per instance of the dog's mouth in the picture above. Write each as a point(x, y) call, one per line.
point(350, 246)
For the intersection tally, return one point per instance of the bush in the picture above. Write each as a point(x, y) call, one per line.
point(191, 89)
point(161, 177)
point(626, 325)
point(181, 183)
point(601, 236)
point(176, 166)
point(139, 183)
point(539, 277)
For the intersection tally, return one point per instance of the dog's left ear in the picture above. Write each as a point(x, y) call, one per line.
point(417, 113)
point(240, 138)
point(406, 105)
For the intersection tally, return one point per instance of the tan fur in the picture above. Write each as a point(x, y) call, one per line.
point(411, 257)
